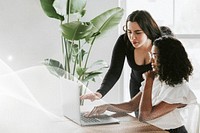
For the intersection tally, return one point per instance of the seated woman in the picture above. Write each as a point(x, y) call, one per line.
point(164, 92)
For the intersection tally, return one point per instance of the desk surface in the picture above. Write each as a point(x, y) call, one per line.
point(128, 124)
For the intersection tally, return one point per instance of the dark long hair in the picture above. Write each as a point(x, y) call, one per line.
point(174, 65)
point(146, 23)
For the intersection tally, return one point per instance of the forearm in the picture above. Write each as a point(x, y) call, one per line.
point(126, 107)
point(110, 78)
point(116, 66)
point(120, 108)
point(145, 107)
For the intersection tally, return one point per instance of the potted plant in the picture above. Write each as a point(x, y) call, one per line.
point(78, 38)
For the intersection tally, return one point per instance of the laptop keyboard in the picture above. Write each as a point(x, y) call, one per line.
point(89, 119)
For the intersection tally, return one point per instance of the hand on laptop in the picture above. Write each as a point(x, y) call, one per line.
point(97, 110)
point(92, 96)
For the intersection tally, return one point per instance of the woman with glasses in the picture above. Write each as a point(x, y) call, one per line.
point(164, 92)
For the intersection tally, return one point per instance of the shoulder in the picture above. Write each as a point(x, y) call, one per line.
point(180, 93)
point(183, 87)
point(121, 42)
point(124, 42)
point(122, 38)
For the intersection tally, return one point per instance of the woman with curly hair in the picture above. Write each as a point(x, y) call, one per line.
point(164, 92)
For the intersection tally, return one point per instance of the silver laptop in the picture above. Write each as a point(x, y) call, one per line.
point(71, 106)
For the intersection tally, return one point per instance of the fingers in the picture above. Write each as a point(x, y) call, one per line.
point(88, 96)
point(94, 112)
point(91, 96)
point(97, 111)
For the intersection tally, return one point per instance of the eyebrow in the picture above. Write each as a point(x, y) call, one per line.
point(134, 30)
point(137, 30)
point(155, 53)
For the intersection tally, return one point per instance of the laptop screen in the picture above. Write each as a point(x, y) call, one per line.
point(70, 99)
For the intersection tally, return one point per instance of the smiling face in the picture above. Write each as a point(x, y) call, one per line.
point(154, 58)
point(136, 35)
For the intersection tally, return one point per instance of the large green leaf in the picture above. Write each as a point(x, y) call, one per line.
point(73, 6)
point(80, 70)
point(99, 63)
point(91, 76)
point(54, 67)
point(47, 6)
point(77, 6)
point(107, 20)
point(76, 30)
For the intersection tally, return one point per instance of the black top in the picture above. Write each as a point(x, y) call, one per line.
point(123, 48)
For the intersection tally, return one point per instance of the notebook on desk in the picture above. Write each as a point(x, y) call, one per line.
point(71, 106)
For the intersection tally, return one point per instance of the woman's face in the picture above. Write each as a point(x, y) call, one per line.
point(154, 58)
point(136, 35)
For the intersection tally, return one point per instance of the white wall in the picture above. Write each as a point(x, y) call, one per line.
point(27, 36)
point(103, 46)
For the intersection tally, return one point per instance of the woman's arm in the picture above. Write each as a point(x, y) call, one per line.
point(159, 110)
point(126, 107)
point(146, 110)
point(116, 66)
point(114, 71)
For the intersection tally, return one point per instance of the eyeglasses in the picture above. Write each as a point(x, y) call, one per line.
point(153, 55)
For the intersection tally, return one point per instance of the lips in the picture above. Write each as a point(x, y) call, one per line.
point(134, 42)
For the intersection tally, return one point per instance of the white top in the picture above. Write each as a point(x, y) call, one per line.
point(180, 93)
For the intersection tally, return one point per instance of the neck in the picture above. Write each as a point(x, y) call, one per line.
point(147, 46)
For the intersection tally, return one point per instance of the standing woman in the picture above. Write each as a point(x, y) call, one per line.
point(140, 31)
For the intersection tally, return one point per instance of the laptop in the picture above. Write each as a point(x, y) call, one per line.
point(70, 92)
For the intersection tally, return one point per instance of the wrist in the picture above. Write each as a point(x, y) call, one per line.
point(98, 94)
point(149, 80)
point(148, 83)
point(108, 107)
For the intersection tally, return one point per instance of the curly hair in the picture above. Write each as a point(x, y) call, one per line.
point(166, 31)
point(174, 65)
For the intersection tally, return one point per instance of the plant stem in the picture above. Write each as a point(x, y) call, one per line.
point(89, 52)
point(65, 54)
point(75, 62)
point(80, 55)
point(63, 51)
point(78, 58)
point(67, 60)
point(68, 10)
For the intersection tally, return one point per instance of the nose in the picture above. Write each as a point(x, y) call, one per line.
point(132, 36)
point(150, 57)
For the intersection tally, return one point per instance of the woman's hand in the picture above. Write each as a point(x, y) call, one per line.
point(97, 110)
point(91, 96)
point(149, 75)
